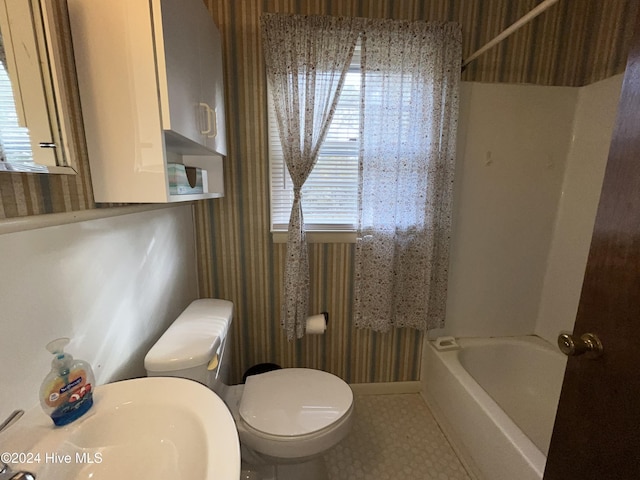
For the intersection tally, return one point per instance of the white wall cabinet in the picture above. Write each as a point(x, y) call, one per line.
point(151, 86)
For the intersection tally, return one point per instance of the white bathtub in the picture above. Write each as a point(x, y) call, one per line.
point(496, 399)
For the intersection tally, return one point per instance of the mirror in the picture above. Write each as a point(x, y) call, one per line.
point(32, 126)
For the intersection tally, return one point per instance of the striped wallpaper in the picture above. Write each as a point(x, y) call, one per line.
point(575, 43)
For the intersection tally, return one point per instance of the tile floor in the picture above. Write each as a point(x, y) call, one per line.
point(394, 437)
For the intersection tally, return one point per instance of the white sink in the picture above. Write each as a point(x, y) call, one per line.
point(146, 428)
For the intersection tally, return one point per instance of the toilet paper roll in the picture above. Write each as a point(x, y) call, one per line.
point(316, 324)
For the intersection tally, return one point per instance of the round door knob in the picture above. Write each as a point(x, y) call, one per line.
point(588, 344)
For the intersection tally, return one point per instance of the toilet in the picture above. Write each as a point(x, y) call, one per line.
point(286, 419)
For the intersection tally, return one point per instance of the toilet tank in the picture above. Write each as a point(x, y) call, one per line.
point(193, 346)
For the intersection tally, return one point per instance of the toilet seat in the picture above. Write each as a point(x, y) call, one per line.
point(297, 448)
point(294, 402)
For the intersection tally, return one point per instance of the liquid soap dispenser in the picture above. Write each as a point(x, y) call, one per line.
point(66, 393)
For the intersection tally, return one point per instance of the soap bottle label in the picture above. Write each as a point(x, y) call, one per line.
point(69, 396)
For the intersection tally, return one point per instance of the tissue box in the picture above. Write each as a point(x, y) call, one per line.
point(184, 180)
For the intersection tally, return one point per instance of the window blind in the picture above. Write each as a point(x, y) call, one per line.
point(15, 145)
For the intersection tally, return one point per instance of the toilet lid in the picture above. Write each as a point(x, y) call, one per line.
point(294, 401)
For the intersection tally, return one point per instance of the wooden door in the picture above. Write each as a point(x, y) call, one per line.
point(597, 430)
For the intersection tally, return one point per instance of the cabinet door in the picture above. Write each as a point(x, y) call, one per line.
point(212, 84)
point(181, 110)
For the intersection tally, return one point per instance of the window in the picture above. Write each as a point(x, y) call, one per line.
point(330, 193)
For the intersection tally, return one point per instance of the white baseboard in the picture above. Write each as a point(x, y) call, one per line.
point(386, 388)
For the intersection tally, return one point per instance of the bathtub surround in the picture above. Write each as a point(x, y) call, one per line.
point(594, 119)
point(112, 285)
point(508, 184)
point(527, 187)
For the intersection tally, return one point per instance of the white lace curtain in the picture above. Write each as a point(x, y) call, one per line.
point(307, 58)
point(410, 75)
point(411, 72)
